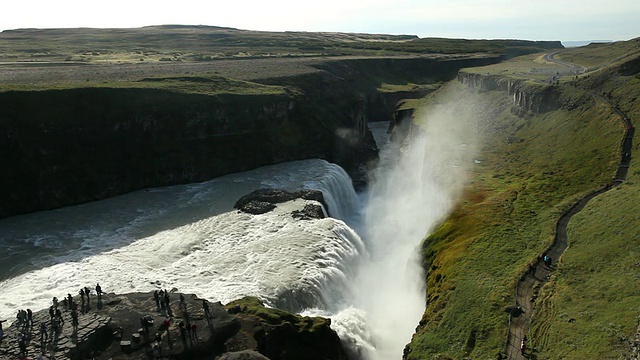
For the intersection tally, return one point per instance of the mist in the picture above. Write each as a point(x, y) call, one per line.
point(413, 190)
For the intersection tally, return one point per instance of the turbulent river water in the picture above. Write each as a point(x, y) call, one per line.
point(358, 267)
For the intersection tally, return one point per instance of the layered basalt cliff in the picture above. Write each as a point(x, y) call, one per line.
point(527, 96)
point(69, 146)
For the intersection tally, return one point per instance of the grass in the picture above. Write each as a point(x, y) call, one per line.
point(533, 168)
point(589, 310)
point(209, 85)
point(253, 306)
point(207, 43)
point(391, 88)
point(598, 54)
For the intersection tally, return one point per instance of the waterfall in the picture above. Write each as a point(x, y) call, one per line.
point(189, 237)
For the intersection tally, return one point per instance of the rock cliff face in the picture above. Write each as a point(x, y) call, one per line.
point(527, 96)
point(64, 147)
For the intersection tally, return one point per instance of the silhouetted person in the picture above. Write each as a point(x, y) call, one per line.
point(99, 292)
point(194, 334)
point(1, 331)
point(43, 332)
point(29, 317)
point(22, 344)
point(205, 306)
point(74, 320)
point(183, 334)
point(156, 297)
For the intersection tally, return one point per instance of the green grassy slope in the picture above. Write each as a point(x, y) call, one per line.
point(533, 168)
point(590, 307)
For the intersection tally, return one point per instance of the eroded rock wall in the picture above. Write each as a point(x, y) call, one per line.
point(527, 96)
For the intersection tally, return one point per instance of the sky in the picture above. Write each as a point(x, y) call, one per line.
point(564, 20)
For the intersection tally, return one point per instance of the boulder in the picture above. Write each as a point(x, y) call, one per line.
point(263, 200)
point(280, 335)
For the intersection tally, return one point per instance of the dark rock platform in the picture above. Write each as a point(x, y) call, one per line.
point(112, 329)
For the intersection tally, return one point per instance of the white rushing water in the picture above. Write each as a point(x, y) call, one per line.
point(187, 237)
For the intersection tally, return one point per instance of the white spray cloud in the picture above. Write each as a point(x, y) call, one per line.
point(407, 201)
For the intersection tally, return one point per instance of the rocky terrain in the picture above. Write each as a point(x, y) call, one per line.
point(112, 328)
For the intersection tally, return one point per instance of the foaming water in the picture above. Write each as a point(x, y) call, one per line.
point(411, 192)
point(187, 237)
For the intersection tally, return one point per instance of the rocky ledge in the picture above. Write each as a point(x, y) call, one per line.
point(264, 200)
point(136, 326)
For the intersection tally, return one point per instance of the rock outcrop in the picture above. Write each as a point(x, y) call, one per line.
point(535, 98)
point(113, 329)
point(264, 200)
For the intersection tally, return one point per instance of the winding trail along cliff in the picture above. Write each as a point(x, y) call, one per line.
point(539, 271)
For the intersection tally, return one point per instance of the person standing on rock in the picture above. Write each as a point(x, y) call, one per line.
point(43, 332)
point(194, 334)
point(205, 306)
point(29, 318)
point(87, 292)
point(99, 292)
point(156, 297)
point(1, 331)
point(74, 321)
point(183, 334)
point(22, 344)
point(523, 345)
point(182, 305)
point(82, 296)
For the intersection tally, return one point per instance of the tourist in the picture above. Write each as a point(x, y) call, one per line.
point(166, 323)
point(43, 332)
point(182, 305)
point(82, 296)
point(183, 334)
point(205, 306)
point(29, 317)
point(523, 345)
point(99, 292)
point(22, 344)
point(74, 320)
point(194, 329)
point(156, 297)
point(1, 331)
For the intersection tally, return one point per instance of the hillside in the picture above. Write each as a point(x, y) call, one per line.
point(92, 113)
point(180, 43)
point(542, 148)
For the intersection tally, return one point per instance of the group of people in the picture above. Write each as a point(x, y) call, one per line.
point(187, 328)
point(50, 329)
point(56, 321)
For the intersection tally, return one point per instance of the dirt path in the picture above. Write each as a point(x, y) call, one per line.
point(538, 272)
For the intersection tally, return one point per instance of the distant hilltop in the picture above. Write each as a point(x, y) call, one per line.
point(577, 43)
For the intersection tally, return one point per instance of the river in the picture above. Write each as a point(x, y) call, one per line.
point(359, 267)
